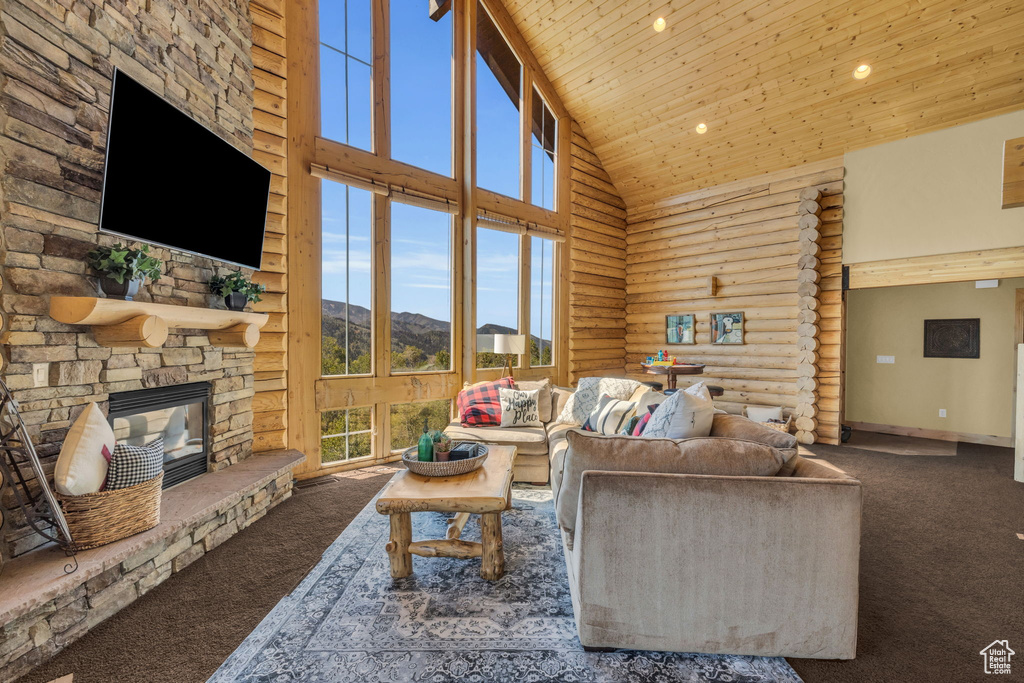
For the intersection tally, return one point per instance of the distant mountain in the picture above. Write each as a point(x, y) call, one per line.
point(407, 329)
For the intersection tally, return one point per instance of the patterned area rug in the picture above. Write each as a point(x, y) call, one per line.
point(350, 621)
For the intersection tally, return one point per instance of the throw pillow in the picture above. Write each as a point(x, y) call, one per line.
point(82, 464)
point(132, 465)
point(638, 430)
point(683, 415)
point(543, 398)
point(590, 390)
point(763, 413)
point(630, 426)
point(609, 416)
point(519, 408)
point(480, 404)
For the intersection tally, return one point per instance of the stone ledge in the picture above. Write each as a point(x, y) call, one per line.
point(38, 577)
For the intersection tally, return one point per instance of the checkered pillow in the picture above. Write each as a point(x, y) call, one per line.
point(131, 465)
point(480, 404)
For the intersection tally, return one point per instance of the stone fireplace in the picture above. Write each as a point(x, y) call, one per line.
point(176, 414)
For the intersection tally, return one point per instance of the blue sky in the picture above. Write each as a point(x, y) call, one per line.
point(421, 58)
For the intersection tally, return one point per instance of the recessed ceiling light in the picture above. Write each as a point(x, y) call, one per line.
point(659, 24)
point(862, 72)
point(702, 128)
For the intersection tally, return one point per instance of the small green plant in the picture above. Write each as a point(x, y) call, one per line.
point(236, 282)
point(442, 443)
point(121, 263)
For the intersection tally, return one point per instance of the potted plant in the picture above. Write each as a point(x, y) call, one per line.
point(123, 269)
point(237, 290)
point(442, 446)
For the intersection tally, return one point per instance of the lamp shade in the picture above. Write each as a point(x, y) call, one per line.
point(510, 343)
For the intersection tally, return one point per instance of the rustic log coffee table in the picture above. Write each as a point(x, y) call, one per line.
point(486, 491)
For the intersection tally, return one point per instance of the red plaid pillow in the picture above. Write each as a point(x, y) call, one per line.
point(480, 405)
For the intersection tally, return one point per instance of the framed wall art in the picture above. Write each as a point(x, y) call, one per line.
point(726, 328)
point(952, 338)
point(680, 329)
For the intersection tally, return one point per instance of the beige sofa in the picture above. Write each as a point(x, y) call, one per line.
point(717, 563)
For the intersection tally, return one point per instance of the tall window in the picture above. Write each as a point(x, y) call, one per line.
point(346, 281)
point(497, 292)
point(542, 149)
point(345, 434)
point(407, 420)
point(542, 300)
point(421, 289)
point(421, 86)
point(346, 100)
point(498, 94)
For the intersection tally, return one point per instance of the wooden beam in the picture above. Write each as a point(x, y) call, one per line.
point(919, 270)
point(337, 393)
point(1013, 173)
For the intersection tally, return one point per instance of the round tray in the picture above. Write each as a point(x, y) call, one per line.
point(449, 468)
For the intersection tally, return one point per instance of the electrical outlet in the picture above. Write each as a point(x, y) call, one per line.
point(885, 359)
point(942, 412)
point(40, 374)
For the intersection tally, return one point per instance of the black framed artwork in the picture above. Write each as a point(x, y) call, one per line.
point(952, 338)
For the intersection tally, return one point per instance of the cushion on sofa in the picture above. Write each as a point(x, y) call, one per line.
point(543, 386)
point(739, 427)
point(707, 455)
point(519, 408)
point(590, 390)
point(479, 404)
point(527, 440)
point(684, 414)
point(557, 445)
point(559, 397)
point(609, 416)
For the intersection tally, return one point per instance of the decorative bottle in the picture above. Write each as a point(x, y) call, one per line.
point(426, 446)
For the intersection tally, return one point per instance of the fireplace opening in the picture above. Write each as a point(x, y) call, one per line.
point(178, 414)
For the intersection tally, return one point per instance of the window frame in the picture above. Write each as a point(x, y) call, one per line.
point(311, 156)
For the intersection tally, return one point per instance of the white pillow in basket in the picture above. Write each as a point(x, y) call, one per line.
point(519, 408)
point(82, 464)
point(763, 413)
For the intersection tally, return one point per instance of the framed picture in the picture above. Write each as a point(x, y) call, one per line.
point(952, 338)
point(679, 329)
point(726, 328)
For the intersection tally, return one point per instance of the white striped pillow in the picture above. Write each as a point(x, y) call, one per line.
point(609, 416)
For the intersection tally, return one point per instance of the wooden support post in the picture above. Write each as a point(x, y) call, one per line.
point(456, 524)
point(808, 331)
point(462, 550)
point(242, 336)
point(492, 564)
point(398, 546)
point(147, 331)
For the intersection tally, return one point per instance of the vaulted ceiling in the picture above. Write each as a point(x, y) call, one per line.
point(772, 79)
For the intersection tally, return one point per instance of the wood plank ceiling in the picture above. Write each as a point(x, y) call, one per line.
point(772, 79)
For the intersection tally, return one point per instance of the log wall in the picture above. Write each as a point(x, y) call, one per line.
point(269, 148)
point(769, 247)
point(597, 281)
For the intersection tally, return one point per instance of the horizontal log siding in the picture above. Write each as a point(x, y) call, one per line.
point(746, 235)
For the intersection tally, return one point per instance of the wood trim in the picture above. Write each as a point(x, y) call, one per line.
point(338, 393)
point(516, 208)
point(1013, 174)
point(940, 435)
point(921, 270)
point(357, 162)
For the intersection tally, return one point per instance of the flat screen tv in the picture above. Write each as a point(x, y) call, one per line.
point(170, 181)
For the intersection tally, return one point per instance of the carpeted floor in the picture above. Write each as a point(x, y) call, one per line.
point(940, 565)
point(940, 577)
point(182, 630)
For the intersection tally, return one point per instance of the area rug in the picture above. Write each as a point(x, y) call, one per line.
point(350, 621)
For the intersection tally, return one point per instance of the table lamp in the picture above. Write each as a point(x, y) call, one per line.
point(509, 344)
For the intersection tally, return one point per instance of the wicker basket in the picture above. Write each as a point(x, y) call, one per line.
point(779, 426)
point(447, 468)
point(96, 519)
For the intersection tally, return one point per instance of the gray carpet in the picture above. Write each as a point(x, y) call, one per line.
point(350, 621)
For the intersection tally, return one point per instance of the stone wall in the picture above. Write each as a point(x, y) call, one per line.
point(56, 63)
point(34, 637)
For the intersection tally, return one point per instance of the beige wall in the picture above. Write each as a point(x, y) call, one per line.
point(937, 193)
point(976, 393)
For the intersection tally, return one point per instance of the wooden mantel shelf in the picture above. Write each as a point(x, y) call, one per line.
point(138, 323)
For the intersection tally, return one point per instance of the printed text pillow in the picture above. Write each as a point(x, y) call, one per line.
point(519, 408)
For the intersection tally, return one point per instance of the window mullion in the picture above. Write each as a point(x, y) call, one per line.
point(381, 78)
point(525, 263)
